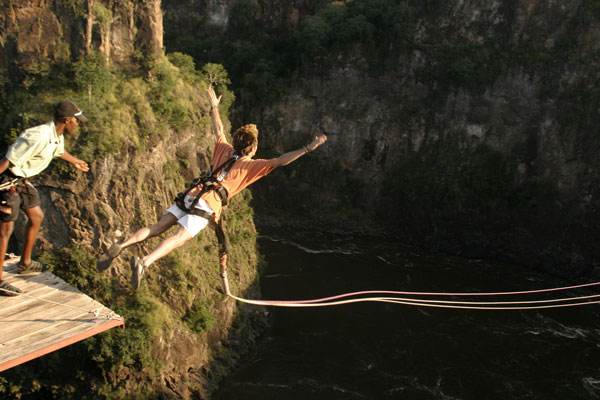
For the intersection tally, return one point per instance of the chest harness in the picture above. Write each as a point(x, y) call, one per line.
point(212, 181)
point(9, 185)
point(209, 182)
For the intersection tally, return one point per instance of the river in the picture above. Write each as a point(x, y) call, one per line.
point(391, 351)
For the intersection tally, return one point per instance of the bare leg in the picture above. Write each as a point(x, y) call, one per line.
point(35, 216)
point(167, 245)
point(6, 229)
point(166, 221)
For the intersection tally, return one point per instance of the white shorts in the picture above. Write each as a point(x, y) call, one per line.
point(192, 223)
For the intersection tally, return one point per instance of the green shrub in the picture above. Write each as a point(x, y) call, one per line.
point(92, 77)
point(199, 319)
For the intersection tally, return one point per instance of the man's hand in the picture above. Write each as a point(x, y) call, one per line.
point(81, 165)
point(317, 141)
point(76, 162)
point(212, 97)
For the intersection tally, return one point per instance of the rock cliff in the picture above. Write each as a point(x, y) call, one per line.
point(37, 33)
point(183, 17)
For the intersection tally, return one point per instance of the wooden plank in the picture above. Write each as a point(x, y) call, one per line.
point(60, 344)
point(47, 337)
point(34, 281)
point(83, 321)
point(46, 299)
point(28, 289)
point(46, 277)
point(49, 298)
point(43, 315)
point(25, 343)
point(31, 285)
point(40, 318)
point(48, 315)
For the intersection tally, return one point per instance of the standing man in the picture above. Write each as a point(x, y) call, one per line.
point(29, 155)
point(235, 169)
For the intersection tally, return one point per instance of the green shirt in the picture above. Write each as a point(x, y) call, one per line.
point(33, 150)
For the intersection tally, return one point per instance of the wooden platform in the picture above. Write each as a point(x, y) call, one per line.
point(47, 316)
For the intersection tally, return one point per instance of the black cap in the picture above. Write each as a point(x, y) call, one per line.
point(69, 109)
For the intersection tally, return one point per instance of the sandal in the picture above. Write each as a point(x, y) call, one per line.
point(137, 268)
point(6, 289)
point(106, 259)
point(34, 267)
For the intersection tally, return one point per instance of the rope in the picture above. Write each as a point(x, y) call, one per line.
point(469, 305)
point(404, 293)
point(110, 316)
point(10, 184)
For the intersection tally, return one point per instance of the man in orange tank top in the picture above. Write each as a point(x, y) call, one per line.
point(193, 214)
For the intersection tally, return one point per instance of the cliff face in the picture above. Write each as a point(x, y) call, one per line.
point(476, 139)
point(36, 33)
point(183, 17)
point(471, 132)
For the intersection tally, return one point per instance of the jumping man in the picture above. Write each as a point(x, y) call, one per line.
point(204, 202)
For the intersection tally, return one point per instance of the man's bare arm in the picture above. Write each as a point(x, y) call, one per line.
point(76, 162)
point(293, 155)
point(214, 112)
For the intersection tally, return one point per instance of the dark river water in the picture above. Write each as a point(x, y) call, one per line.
point(392, 351)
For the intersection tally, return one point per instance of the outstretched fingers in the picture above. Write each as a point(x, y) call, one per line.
point(214, 99)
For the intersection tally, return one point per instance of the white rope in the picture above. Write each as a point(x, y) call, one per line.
point(423, 303)
point(469, 305)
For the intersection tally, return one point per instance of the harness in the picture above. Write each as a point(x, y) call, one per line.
point(210, 182)
point(8, 180)
point(11, 183)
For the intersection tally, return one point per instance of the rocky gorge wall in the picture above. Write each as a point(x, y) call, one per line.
point(484, 154)
point(36, 33)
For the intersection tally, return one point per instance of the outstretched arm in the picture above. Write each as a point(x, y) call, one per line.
point(292, 156)
point(77, 163)
point(214, 112)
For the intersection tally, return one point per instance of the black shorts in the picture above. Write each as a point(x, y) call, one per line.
point(24, 196)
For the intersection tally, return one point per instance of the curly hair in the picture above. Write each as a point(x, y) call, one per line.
point(245, 138)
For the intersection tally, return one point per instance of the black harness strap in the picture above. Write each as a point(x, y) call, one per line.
point(11, 183)
point(211, 181)
point(9, 180)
